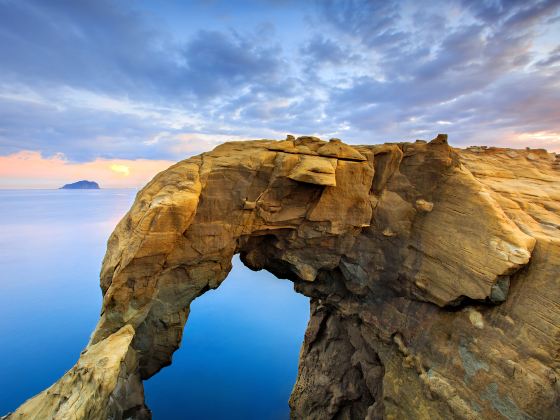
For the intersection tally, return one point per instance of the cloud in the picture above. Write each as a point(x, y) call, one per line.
point(104, 81)
point(102, 46)
point(218, 63)
point(474, 78)
point(537, 139)
point(91, 44)
point(320, 50)
point(95, 79)
point(372, 21)
point(552, 59)
point(120, 169)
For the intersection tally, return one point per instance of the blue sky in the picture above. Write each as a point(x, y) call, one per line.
point(101, 79)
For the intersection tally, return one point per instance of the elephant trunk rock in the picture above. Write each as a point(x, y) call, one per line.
point(432, 273)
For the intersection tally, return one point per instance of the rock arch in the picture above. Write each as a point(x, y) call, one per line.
point(405, 250)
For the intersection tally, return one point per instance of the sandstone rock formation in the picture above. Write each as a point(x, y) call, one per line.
point(433, 275)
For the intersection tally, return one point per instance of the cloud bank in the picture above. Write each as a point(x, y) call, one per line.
point(99, 79)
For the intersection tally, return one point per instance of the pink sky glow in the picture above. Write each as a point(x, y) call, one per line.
point(28, 169)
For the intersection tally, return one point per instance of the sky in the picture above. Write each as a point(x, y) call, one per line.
point(117, 90)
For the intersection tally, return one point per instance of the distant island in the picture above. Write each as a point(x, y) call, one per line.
point(81, 185)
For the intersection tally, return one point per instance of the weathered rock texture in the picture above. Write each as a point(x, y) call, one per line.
point(433, 275)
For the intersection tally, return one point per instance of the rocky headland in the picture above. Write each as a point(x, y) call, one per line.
point(433, 273)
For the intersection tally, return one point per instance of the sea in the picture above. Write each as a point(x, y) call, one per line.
point(238, 358)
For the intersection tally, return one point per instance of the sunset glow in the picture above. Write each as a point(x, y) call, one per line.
point(28, 169)
point(120, 169)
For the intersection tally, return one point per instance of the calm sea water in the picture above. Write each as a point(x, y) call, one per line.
point(239, 354)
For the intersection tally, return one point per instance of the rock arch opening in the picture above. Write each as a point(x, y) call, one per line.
point(239, 353)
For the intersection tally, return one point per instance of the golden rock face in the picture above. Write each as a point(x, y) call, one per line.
point(433, 275)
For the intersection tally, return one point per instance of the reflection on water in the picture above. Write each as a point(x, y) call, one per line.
point(240, 348)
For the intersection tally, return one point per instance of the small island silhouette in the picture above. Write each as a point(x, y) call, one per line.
point(81, 185)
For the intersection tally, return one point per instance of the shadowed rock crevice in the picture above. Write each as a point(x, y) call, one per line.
point(386, 240)
point(339, 376)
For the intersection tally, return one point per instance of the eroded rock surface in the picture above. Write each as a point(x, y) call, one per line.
point(433, 275)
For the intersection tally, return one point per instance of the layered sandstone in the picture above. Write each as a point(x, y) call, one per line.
point(433, 275)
